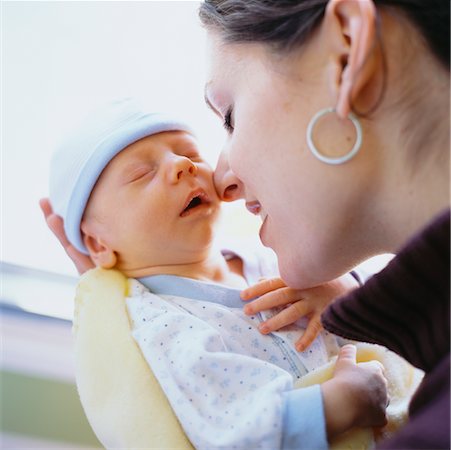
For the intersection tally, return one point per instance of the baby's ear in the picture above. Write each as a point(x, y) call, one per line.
point(102, 255)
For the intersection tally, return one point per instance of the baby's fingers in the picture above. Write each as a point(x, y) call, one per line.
point(261, 288)
point(286, 317)
point(270, 300)
point(314, 327)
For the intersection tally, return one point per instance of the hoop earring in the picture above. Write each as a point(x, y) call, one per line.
point(327, 159)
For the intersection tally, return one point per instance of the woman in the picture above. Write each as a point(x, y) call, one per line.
point(338, 120)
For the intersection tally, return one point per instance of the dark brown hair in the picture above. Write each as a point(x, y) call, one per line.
point(284, 24)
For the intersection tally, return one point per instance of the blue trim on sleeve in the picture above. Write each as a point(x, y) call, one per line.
point(304, 426)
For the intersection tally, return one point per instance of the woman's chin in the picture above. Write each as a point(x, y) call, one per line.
point(297, 276)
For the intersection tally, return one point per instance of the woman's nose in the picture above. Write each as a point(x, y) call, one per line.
point(181, 166)
point(228, 186)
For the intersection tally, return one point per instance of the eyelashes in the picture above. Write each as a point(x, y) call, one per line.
point(140, 174)
point(228, 121)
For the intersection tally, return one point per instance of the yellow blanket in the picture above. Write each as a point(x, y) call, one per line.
point(123, 400)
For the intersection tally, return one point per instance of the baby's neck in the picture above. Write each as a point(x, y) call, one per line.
point(213, 268)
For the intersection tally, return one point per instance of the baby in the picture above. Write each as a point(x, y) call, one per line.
point(136, 195)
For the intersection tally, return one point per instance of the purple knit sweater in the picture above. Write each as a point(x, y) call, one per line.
point(405, 307)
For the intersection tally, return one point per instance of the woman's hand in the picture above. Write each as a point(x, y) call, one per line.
point(55, 223)
point(311, 303)
point(356, 396)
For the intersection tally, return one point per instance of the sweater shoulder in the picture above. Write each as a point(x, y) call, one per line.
point(405, 307)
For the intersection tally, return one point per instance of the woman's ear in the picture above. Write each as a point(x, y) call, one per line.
point(100, 253)
point(355, 59)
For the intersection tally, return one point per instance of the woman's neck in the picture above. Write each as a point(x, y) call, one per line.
point(424, 198)
point(416, 189)
point(413, 144)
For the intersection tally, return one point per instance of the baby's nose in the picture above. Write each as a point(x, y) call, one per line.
point(182, 166)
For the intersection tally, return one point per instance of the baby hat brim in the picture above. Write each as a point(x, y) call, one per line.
point(78, 162)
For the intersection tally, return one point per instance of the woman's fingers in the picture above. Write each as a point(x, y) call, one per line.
point(261, 288)
point(314, 327)
point(290, 315)
point(375, 365)
point(83, 263)
point(347, 356)
point(46, 208)
point(270, 300)
point(273, 293)
point(285, 317)
point(55, 223)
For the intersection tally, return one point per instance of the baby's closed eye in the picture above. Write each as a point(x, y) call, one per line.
point(138, 173)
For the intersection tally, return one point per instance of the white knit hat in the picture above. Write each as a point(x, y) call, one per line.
point(79, 161)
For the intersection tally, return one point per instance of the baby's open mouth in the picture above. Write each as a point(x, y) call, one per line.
point(195, 200)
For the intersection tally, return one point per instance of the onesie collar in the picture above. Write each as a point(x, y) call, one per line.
point(174, 285)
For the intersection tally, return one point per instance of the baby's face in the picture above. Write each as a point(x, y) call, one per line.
point(155, 203)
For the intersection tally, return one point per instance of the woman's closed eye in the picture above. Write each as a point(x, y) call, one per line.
point(228, 120)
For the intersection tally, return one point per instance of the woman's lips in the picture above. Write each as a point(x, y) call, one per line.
point(262, 231)
point(254, 207)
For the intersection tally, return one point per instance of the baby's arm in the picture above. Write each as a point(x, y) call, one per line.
point(311, 302)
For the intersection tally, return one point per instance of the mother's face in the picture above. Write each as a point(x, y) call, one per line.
point(308, 208)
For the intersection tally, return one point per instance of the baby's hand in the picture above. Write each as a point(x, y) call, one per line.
point(311, 302)
point(356, 396)
point(82, 262)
